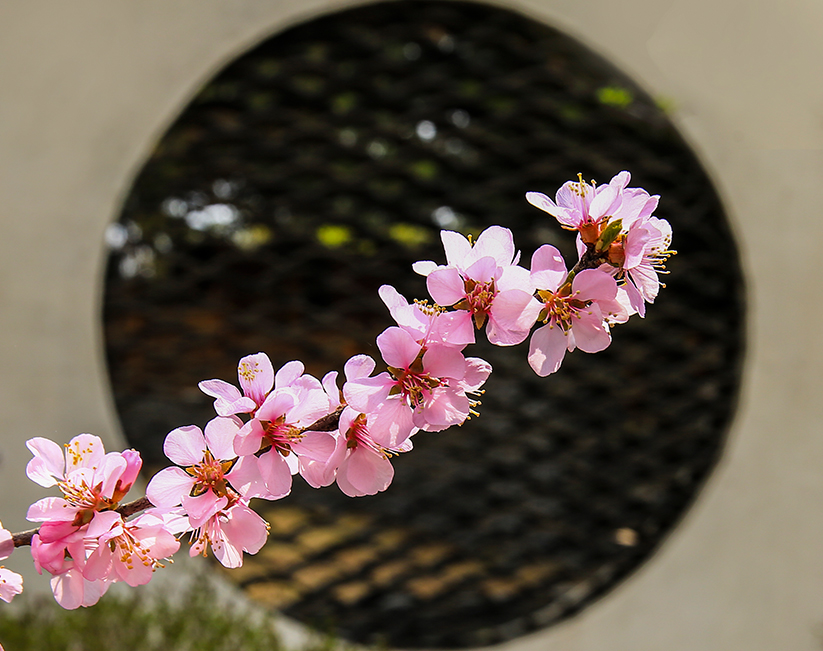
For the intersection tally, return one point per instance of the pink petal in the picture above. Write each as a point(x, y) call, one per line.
point(249, 438)
point(590, 335)
point(483, 271)
point(446, 407)
point(603, 200)
point(109, 472)
point(229, 400)
point(398, 347)
point(6, 543)
point(245, 478)
point(514, 277)
point(456, 246)
point(256, 376)
point(444, 362)
point(594, 285)
point(102, 523)
point(51, 509)
point(477, 372)
point(646, 280)
point(366, 393)
point(11, 584)
point(84, 451)
point(48, 464)
point(220, 389)
point(635, 299)
point(69, 589)
point(279, 402)
point(220, 434)
point(497, 242)
point(275, 473)
point(540, 200)
point(366, 472)
point(446, 286)
point(424, 267)
point(311, 405)
point(391, 422)
point(185, 446)
point(452, 329)
point(548, 268)
point(329, 383)
point(288, 374)
point(547, 349)
point(317, 446)
point(243, 530)
point(168, 487)
point(201, 508)
point(359, 366)
point(512, 316)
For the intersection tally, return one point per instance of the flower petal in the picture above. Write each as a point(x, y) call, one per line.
point(185, 446)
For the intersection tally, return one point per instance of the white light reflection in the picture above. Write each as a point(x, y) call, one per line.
point(426, 130)
point(215, 216)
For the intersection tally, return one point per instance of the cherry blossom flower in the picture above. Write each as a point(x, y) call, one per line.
point(359, 464)
point(428, 324)
point(637, 257)
point(279, 430)
point(421, 390)
point(206, 461)
point(362, 466)
point(483, 281)
point(231, 530)
point(11, 583)
point(72, 590)
point(588, 208)
point(127, 551)
point(89, 479)
point(576, 314)
point(256, 376)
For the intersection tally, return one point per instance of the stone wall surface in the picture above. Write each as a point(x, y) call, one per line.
point(89, 87)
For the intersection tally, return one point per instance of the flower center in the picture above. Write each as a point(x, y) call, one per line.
point(559, 309)
point(85, 498)
point(413, 383)
point(478, 300)
point(358, 435)
point(280, 435)
point(210, 474)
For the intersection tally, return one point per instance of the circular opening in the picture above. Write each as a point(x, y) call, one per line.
point(320, 165)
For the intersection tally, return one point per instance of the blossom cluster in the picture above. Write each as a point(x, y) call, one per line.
point(275, 424)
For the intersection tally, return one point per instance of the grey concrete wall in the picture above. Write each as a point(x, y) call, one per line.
point(87, 87)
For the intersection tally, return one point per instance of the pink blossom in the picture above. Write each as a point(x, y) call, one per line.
point(11, 583)
point(207, 462)
point(576, 315)
point(588, 208)
point(483, 281)
point(72, 590)
point(89, 479)
point(256, 376)
point(426, 323)
point(277, 433)
point(362, 466)
point(359, 464)
point(421, 390)
point(638, 256)
point(127, 551)
point(233, 529)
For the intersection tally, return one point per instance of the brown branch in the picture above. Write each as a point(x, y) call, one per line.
point(590, 259)
point(327, 423)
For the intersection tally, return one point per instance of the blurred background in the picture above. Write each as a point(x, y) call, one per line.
point(197, 183)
